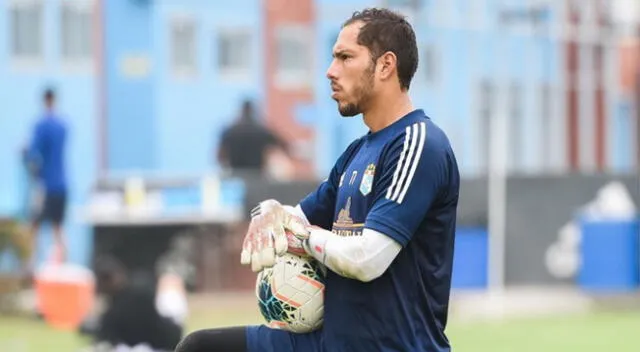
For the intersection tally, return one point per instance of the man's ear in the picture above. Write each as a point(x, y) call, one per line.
point(387, 64)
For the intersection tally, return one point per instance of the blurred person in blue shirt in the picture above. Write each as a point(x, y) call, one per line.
point(47, 160)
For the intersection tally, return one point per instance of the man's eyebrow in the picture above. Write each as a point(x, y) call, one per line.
point(341, 52)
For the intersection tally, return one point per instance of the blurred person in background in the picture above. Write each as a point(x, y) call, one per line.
point(45, 158)
point(247, 148)
point(136, 313)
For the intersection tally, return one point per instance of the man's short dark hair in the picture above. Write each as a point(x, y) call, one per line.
point(247, 112)
point(49, 94)
point(385, 30)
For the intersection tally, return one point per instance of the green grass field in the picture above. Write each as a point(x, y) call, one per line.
point(595, 332)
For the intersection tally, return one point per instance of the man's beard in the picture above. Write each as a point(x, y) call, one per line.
point(349, 110)
point(362, 93)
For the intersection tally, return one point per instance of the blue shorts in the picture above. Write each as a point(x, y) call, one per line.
point(264, 339)
point(53, 208)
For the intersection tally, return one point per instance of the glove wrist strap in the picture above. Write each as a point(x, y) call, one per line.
point(317, 243)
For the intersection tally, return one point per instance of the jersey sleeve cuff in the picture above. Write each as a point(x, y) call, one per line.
point(306, 205)
point(389, 228)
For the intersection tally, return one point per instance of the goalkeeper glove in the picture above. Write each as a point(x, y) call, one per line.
point(273, 231)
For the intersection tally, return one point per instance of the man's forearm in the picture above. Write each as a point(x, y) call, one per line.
point(363, 258)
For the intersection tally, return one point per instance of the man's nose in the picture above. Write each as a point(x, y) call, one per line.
point(331, 71)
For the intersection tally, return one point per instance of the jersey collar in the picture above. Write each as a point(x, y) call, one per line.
point(394, 127)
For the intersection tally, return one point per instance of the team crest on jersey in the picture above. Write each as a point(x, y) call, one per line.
point(367, 179)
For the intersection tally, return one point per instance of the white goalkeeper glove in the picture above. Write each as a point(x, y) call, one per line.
point(273, 231)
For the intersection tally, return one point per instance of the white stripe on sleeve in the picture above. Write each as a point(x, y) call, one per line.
point(407, 136)
point(416, 161)
point(417, 141)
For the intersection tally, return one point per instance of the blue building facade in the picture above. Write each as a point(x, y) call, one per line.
point(30, 61)
point(145, 90)
point(170, 90)
point(473, 65)
point(148, 86)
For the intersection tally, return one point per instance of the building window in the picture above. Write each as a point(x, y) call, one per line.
point(76, 31)
point(234, 52)
point(26, 26)
point(183, 46)
point(294, 59)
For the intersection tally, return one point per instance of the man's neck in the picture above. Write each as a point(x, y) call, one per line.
point(384, 112)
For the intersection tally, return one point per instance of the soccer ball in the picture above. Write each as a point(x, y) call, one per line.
point(291, 294)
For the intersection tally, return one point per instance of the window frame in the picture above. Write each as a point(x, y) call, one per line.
point(233, 73)
point(82, 63)
point(26, 61)
point(296, 78)
point(177, 69)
